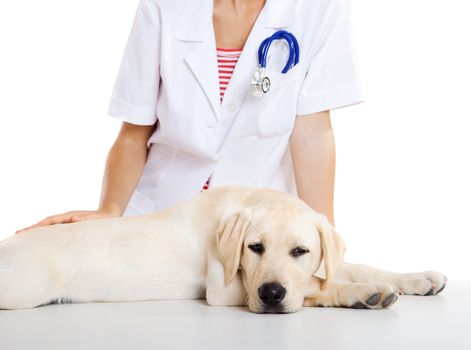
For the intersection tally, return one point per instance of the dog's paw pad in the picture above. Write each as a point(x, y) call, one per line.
point(373, 300)
point(430, 292)
point(441, 288)
point(359, 305)
point(378, 296)
point(389, 300)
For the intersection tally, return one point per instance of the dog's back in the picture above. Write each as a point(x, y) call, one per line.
point(155, 256)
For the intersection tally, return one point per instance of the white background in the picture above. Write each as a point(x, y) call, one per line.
point(403, 187)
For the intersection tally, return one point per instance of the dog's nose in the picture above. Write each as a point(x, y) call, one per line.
point(271, 293)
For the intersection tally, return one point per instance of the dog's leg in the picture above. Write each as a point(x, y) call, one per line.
point(217, 293)
point(350, 295)
point(419, 283)
point(25, 279)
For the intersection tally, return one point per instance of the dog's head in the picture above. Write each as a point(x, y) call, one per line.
point(277, 252)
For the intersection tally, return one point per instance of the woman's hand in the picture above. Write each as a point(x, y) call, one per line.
point(73, 216)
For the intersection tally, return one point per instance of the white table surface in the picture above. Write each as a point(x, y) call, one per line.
point(434, 322)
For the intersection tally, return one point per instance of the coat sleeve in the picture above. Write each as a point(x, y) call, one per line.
point(136, 88)
point(332, 75)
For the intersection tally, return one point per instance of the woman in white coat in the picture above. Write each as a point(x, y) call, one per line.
point(190, 120)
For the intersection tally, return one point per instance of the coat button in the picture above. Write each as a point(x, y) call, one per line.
point(231, 107)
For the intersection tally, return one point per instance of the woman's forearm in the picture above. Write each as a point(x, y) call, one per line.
point(123, 170)
point(124, 167)
point(313, 156)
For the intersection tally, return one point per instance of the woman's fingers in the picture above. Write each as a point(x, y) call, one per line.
point(86, 216)
point(47, 221)
point(67, 218)
point(52, 220)
point(23, 229)
point(75, 218)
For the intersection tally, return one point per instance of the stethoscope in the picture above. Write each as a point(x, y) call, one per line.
point(260, 82)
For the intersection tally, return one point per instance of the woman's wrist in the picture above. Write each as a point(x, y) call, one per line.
point(111, 209)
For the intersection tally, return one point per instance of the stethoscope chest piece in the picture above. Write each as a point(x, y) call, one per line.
point(260, 82)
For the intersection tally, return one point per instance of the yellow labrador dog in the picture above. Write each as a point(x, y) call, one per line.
point(230, 245)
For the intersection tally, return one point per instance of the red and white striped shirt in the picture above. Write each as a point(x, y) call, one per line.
point(227, 60)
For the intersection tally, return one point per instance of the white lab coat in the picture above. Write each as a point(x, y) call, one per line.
point(169, 73)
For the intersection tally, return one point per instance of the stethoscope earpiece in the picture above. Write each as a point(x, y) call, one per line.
point(260, 82)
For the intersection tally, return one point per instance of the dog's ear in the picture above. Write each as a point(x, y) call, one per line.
point(333, 249)
point(230, 238)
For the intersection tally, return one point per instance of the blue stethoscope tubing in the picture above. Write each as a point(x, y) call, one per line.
point(293, 44)
point(260, 82)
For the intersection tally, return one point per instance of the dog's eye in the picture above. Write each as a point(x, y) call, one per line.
point(257, 248)
point(298, 251)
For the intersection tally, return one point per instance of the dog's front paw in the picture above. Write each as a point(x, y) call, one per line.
point(421, 283)
point(354, 295)
point(373, 296)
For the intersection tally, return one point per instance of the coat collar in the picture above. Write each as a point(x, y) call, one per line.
point(279, 14)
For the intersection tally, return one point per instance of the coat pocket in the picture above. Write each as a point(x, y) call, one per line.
point(278, 79)
point(275, 111)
